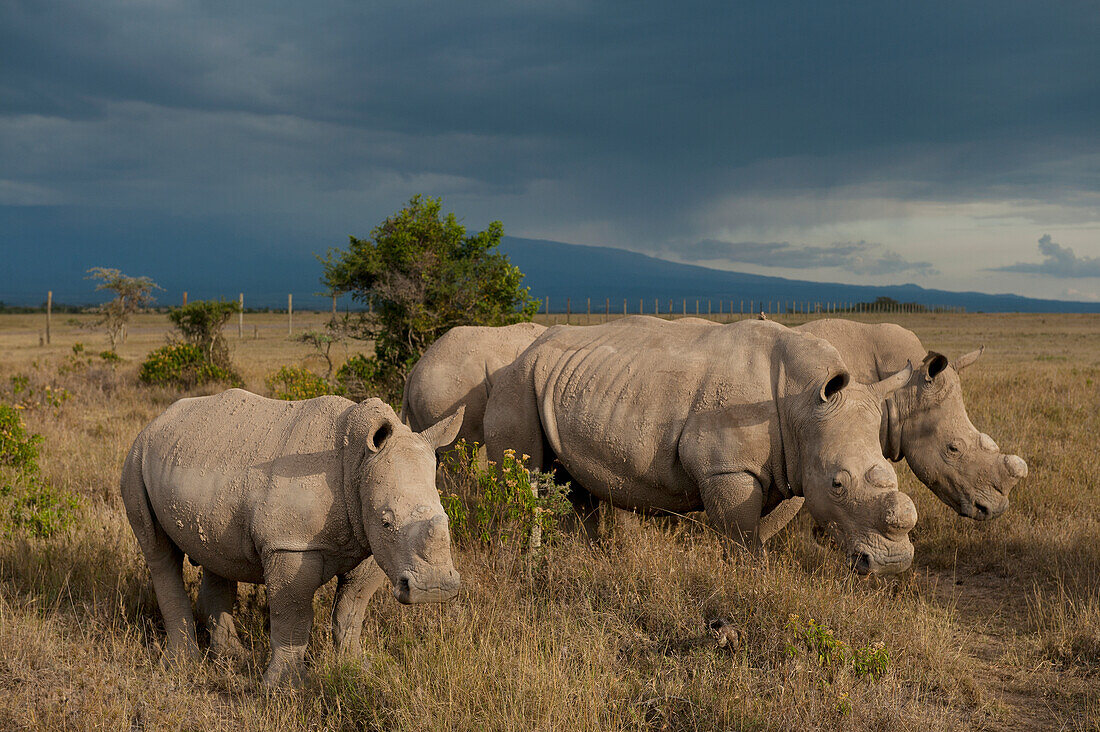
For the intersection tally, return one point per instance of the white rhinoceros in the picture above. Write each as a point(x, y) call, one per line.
point(290, 494)
point(925, 423)
point(734, 420)
point(458, 370)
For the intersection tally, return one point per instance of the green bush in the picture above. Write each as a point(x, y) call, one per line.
point(356, 377)
point(29, 502)
point(184, 365)
point(18, 449)
point(37, 507)
point(833, 654)
point(500, 505)
point(110, 357)
point(200, 322)
point(294, 383)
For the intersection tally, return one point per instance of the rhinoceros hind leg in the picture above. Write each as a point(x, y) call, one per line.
point(165, 562)
point(292, 578)
point(353, 590)
point(216, 597)
point(733, 501)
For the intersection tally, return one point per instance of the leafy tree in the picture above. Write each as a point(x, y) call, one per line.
point(421, 274)
point(131, 295)
point(200, 323)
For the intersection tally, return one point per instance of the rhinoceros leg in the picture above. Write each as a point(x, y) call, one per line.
point(353, 590)
point(216, 597)
point(165, 562)
point(733, 501)
point(292, 578)
point(164, 558)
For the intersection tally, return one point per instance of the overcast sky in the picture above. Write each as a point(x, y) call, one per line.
point(953, 145)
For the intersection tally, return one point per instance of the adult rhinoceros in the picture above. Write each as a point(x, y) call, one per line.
point(925, 422)
point(290, 494)
point(733, 420)
point(458, 370)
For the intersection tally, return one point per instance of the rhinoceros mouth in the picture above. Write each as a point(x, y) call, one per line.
point(409, 591)
point(865, 562)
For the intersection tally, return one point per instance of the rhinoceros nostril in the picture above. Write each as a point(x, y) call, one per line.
point(981, 510)
point(861, 562)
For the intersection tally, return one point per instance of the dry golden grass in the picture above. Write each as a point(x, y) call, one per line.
point(996, 627)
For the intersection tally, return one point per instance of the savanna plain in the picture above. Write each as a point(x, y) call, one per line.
point(996, 626)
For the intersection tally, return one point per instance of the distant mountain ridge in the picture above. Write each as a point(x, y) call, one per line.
point(560, 271)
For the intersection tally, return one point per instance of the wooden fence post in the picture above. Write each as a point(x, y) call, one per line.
point(624, 307)
point(185, 298)
point(49, 313)
point(289, 314)
point(588, 313)
point(607, 310)
point(240, 315)
point(568, 309)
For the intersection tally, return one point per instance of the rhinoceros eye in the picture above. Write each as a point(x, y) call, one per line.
point(953, 448)
point(387, 519)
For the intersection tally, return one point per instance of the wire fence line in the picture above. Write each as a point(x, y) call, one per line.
point(729, 308)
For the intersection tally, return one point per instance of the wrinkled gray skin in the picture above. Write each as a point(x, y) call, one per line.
point(458, 371)
point(289, 494)
point(676, 417)
point(925, 422)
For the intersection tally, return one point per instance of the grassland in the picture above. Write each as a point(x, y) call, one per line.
point(997, 626)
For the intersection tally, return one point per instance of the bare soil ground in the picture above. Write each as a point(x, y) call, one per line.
point(997, 626)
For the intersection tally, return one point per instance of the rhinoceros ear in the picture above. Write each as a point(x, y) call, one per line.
point(444, 432)
point(370, 424)
point(834, 384)
point(963, 361)
point(890, 384)
point(933, 365)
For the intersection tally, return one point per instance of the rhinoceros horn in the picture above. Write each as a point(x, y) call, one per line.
point(890, 384)
point(965, 360)
point(444, 431)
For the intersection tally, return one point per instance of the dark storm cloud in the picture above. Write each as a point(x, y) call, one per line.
point(630, 118)
point(863, 258)
point(1058, 261)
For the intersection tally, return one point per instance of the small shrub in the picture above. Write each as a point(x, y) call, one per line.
point(357, 377)
point(200, 323)
point(833, 654)
point(31, 503)
point(293, 383)
point(37, 507)
point(31, 395)
point(505, 505)
point(18, 449)
point(183, 365)
point(110, 357)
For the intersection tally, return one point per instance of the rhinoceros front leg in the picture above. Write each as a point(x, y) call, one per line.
point(733, 501)
point(216, 597)
point(353, 590)
point(292, 578)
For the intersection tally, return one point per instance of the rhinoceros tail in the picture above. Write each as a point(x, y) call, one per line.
point(778, 517)
point(136, 499)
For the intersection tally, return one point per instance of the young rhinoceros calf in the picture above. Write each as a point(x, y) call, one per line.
point(289, 494)
point(925, 422)
point(734, 420)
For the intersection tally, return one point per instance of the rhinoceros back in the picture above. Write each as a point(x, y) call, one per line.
point(614, 400)
point(233, 475)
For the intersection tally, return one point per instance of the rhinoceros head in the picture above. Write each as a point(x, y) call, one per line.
point(393, 470)
point(849, 486)
point(928, 425)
